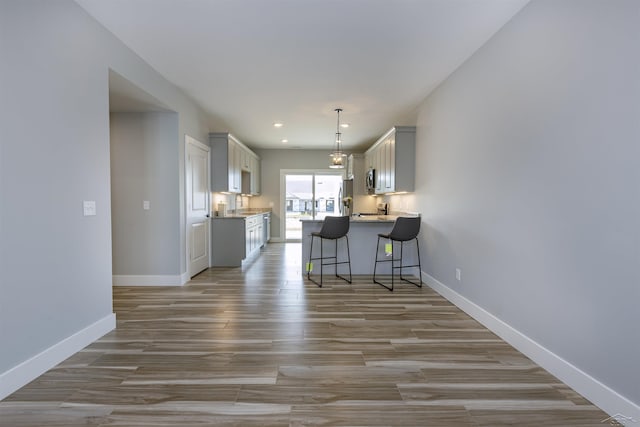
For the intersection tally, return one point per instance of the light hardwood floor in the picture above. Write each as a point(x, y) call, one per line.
point(261, 346)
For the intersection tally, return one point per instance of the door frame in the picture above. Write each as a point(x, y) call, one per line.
point(283, 196)
point(188, 140)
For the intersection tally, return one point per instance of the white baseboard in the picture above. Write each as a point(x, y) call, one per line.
point(599, 394)
point(142, 280)
point(184, 278)
point(30, 369)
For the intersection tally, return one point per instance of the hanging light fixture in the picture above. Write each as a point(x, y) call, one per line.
point(338, 157)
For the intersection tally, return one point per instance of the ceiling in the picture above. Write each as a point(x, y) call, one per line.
point(250, 63)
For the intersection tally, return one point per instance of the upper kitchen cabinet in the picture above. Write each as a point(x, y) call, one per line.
point(235, 168)
point(393, 158)
point(350, 161)
point(356, 171)
point(255, 175)
point(250, 173)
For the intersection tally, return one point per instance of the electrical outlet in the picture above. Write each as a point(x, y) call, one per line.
point(89, 207)
point(146, 205)
point(458, 274)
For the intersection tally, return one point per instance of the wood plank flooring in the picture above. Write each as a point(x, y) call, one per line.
point(261, 346)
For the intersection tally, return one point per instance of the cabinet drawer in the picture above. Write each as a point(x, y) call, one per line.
point(252, 221)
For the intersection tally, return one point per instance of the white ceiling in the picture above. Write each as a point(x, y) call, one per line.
point(250, 63)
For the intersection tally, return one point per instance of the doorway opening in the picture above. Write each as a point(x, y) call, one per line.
point(309, 195)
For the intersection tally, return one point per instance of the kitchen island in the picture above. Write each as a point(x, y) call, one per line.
point(237, 235)
point(363, 237)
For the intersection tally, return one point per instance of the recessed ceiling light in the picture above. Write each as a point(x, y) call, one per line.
point(344, 125)
point(284, 141)
point(278, 124)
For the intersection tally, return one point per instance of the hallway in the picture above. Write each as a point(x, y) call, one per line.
point(260, 346)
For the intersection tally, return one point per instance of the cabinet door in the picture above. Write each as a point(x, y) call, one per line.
point(255, 176)
point(367, 166)
point(246, 160)
point(230, 155)
point(259, 235)
point(238, 170)
point(231, 165)
point(350, 166)
point(389, 151)
point(383, 167)
point(234, 167)
point(248, 238)
point(380, 171)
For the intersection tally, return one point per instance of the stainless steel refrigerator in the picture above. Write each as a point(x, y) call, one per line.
point(345, 200)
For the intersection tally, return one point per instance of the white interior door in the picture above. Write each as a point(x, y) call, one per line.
point(198, 205)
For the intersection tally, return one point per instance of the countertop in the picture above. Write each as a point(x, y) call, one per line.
point(244, 213)
point(363, 219)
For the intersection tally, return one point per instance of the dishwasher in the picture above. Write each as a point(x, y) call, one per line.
point(266, 229)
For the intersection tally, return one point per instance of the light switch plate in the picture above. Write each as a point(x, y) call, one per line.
point(145, 205)
point(89, 207)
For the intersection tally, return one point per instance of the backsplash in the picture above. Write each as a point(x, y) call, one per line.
point(401, 203)
point(233, 202)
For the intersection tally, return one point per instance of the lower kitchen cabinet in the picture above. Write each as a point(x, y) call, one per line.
point(235, 238)
point(253, 234)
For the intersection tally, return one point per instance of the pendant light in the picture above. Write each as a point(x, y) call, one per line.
point(338, 157)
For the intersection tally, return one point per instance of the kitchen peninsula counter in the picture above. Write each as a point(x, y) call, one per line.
point(363, 238)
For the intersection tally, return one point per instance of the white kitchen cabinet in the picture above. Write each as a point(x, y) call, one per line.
point(393, 158)
point(232, 163)
point(254, 234)
point(389, 151)
point(255, 176)
point(234, 167)
point(381, 176)
point(359, 165)
point(350, 161)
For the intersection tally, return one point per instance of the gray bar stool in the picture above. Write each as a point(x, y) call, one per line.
point(404, 230)
point(333, 228)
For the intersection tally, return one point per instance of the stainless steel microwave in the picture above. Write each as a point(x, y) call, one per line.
point(370, 181)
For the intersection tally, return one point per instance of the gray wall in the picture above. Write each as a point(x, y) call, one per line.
point(529, 182)
point(55, 264)
point(144, 166)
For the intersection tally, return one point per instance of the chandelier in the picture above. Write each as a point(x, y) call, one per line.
point(338, 157)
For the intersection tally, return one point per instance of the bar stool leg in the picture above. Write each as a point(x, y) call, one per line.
point(321, 259)
point(336, 264)
point(419, 263)
point(349, 259)
point(376, 265)
point(310, 256)
point(419, 284)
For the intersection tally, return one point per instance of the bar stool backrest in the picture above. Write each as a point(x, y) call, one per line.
point(334, 227)
point(405, 228)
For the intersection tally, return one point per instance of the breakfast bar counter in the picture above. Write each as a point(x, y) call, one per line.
point(363, 238)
